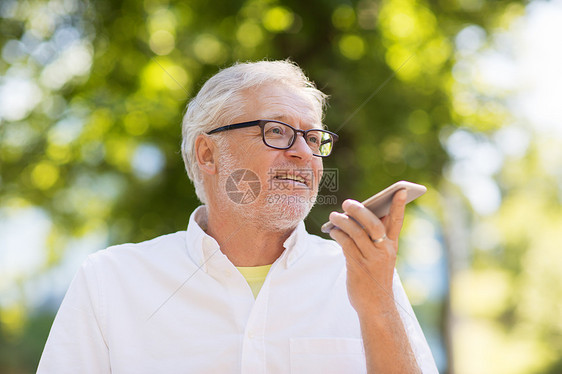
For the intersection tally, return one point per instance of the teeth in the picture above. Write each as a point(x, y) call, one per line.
point(292, 177)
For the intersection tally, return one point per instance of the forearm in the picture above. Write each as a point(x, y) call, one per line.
point(387, 349)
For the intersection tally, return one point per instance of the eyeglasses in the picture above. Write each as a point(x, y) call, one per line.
point(279, 135)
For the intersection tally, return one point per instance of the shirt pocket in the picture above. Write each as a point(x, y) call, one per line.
point(327, 356)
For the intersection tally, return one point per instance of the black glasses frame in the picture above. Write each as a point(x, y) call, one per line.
point(261, 123)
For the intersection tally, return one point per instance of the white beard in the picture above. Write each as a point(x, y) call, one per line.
point(271, 210)
point(284, 210)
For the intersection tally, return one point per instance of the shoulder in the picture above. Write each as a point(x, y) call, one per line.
point(158, 248)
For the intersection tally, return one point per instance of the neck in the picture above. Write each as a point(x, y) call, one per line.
point(245, 242)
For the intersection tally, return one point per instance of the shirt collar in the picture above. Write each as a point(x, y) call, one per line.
point(201, 247)
point(295, 245)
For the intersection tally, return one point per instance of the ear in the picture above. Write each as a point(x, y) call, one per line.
point(205, 151)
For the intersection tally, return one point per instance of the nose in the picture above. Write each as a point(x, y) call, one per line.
point(300, 148)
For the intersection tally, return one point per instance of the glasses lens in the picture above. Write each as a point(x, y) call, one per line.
point(281, 136)
point(320, 142)
point(278, 135)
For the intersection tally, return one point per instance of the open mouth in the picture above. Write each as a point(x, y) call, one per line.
point(292, 178)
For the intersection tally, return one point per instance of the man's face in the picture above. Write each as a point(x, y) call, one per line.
point(288, 179)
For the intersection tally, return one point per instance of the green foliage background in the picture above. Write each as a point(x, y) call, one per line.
point(114, 78)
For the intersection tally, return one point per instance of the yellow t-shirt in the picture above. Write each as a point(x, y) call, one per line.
point(255, 276)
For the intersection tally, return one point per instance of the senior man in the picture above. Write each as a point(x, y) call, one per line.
point(246, 289)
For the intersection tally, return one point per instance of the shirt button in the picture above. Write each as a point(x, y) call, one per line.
point(251, 335)
point(228, 273)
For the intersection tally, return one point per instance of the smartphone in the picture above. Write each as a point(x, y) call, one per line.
point(380, 202)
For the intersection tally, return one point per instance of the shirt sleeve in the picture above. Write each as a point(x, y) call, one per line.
point(413, 329)
point(76, 343)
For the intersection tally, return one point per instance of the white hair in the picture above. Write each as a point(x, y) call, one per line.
point(220, 100)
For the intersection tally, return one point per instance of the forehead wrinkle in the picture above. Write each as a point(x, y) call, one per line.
point(287, 105)
point(293, 112)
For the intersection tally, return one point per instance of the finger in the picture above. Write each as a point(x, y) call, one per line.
point(350, 250)
point(373, 226)
point(354, 231)
point(353, 257)
point(395, 218)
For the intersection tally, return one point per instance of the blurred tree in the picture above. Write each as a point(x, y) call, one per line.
point(507, 161)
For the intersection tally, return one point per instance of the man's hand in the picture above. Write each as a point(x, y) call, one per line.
point(370, 265)
point(370, 246)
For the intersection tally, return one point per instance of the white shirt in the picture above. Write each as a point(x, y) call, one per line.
point(176, 304)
